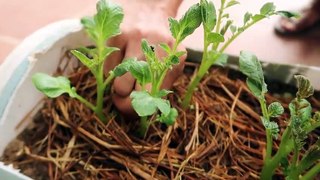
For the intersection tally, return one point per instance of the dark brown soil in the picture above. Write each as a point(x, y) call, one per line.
point(219, 137)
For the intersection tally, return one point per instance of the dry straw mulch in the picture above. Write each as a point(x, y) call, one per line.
point(219, 137)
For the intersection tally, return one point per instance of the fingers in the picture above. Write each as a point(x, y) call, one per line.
point(124, 85)
point(123, 105)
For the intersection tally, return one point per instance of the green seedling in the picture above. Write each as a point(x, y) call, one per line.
point(154, 69)
point(300, 124)
point(100, 28)
point(216, 40)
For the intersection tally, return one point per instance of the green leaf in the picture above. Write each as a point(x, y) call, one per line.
point(226, 27)
point(232, 3)
point(311, 156)
point(52, 86)
point(162, 93)
point(180, 53)
point(140, 70)
point(305, 88)
point(170, 118)
point(222, 60)
point(174, 60)
point(300, 120)
point(301, 108)
point(165, 47)
point(104, 24)
point(124, 67)
point(215, 37)
point(272, 126)
point(84, 59)
point(251, 67)
point(190, 21)
point(106, 52)
point(208, 13)
point(258, 17)
point(247, 18)
point(174, 27)
point(148, 50)
point(288, 14)
point(267, 9)
point(145, 105)
point(233, 29)
point(163, 105)
point(275, 109)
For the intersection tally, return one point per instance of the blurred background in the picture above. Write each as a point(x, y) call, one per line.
point(21, 18)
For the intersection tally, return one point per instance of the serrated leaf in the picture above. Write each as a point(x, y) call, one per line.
point(215, 37)
point(251, 67)
point(174, 27)
point(145, 105)
point(190, 21)
point(208, 13)
point(51, 86)
point(124, 67)
point(170, 118)
point(165, 47)
point(83, 58)
point(305, 88)
point(247, 17)
point(232, 3)
point(272, 126)
point(275, 109)
point(267, 9)
point(222, 60)
point(311, 156)
point(301, 108)
point(300, 117)
point(147, 50)
point(140, 70)
point(288, 14)
point(105, 23)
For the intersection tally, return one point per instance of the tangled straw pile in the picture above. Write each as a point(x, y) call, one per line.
point(219, 137)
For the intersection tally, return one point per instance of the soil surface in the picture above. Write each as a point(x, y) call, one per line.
point(219, 137)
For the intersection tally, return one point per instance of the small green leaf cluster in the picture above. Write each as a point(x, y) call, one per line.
point(154, 69)
point(215, 25)
point(100, 28)
point(300, 124)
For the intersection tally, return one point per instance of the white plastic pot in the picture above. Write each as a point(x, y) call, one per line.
point(42, 51)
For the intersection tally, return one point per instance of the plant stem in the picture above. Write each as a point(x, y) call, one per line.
point(285, 148)
point(234, 36)
point(311, 173)
point(144, 125)
point(85, 102)
point(99, 75)
point(197, 78)
point(268, 133)
point(220, 16)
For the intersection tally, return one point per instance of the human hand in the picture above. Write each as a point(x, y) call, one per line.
point(143, 20)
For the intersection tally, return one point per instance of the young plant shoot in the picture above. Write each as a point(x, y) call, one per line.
point(100, 28)
point(215, 26)
point(154, 69)
point(300, 124)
